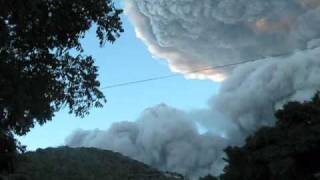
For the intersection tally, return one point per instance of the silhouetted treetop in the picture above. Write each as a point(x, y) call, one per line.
point(42, 65)
point(50, 24)
point(288, 151)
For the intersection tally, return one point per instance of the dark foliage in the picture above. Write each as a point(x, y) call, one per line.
point(42, 65)
point(288, 151)
point(9, 149)
point(86, 164)
point(7, 152)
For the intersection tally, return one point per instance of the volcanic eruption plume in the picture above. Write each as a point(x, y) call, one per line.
point(283, 36)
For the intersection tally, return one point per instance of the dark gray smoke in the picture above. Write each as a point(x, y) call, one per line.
point(191, 34)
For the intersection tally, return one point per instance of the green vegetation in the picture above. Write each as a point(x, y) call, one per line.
point(287, 151)
point(42, 65)
point(84, 164)
point(43, 69)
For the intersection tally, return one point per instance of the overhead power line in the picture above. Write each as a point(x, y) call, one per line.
point(174, 75)
point(128, 83)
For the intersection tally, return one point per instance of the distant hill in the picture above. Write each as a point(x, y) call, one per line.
point(65, 163)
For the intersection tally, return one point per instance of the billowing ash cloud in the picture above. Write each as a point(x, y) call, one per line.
point(192, 34)
point(253, 91)
point(168, 139)
point(162, 137)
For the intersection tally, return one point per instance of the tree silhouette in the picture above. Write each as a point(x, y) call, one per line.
point(288, 151)
point(42, 65)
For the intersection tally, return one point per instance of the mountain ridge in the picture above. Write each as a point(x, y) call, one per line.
point(66, 163)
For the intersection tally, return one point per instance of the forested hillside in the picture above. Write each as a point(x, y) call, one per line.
point(85, 164)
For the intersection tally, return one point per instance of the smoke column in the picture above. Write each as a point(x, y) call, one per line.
point(162, 137)
point(190, 34)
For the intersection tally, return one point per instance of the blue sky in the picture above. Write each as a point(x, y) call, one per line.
point(126, 60)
